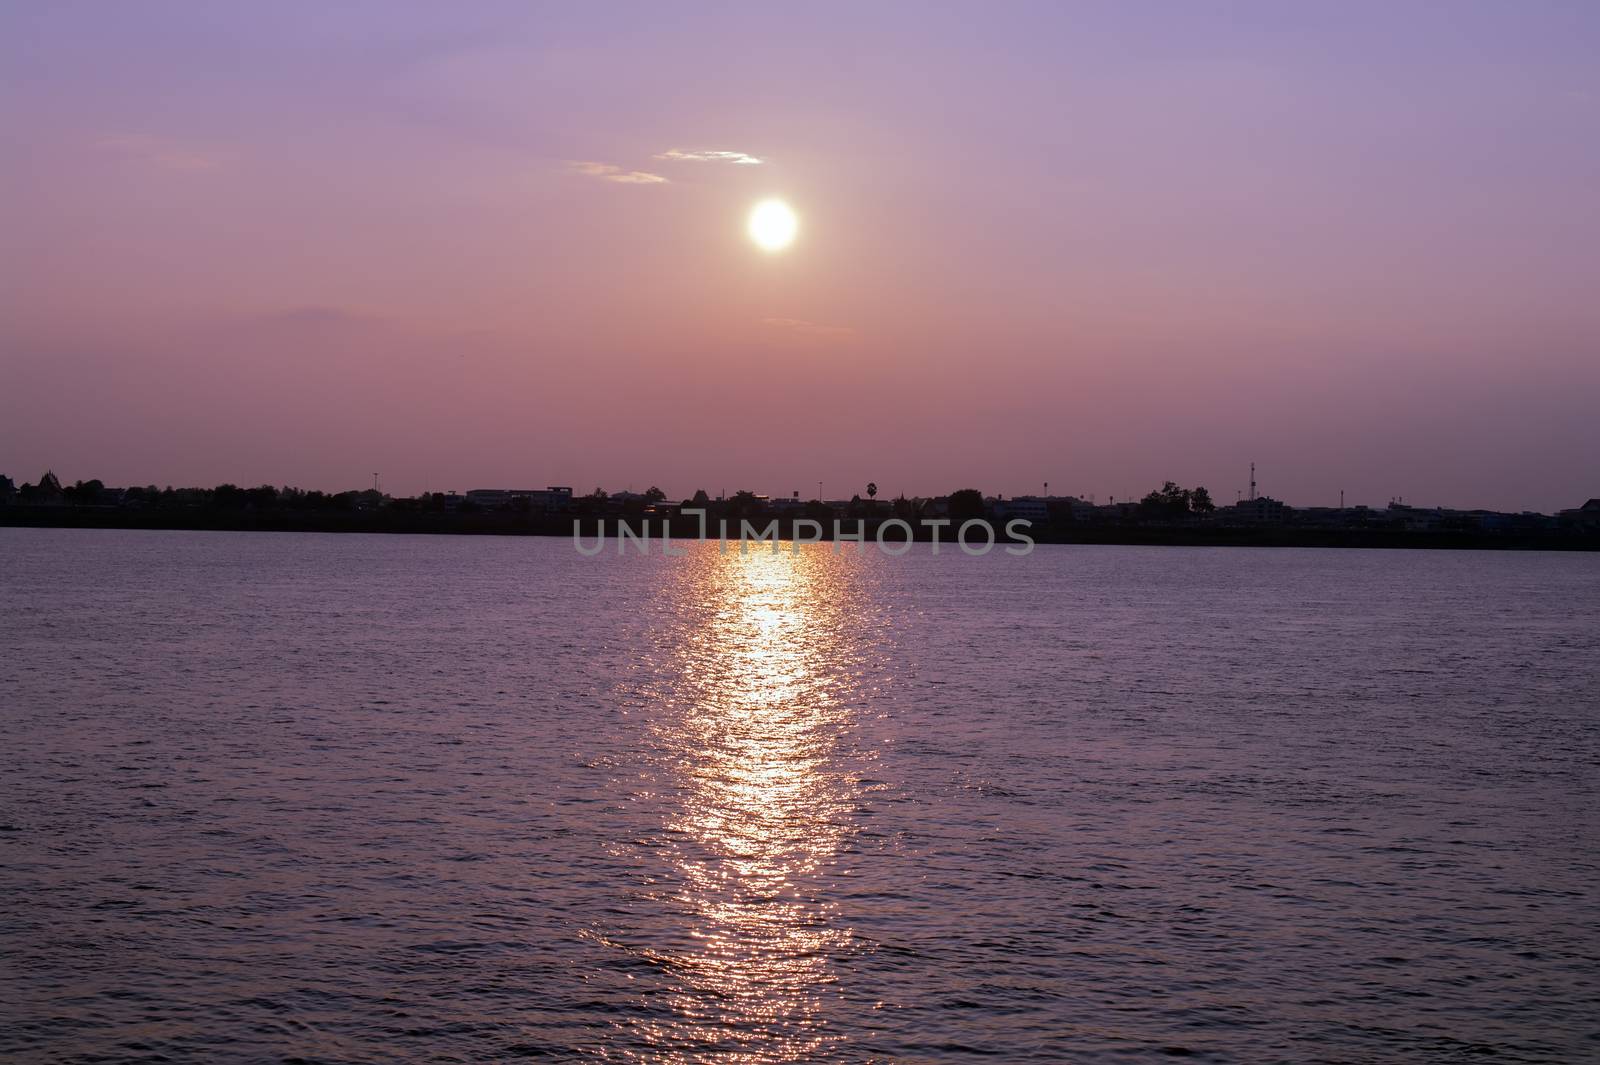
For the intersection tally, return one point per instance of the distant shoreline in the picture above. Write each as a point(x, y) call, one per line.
point(515, 524)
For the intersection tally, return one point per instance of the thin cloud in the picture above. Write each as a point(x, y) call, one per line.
point(608, 172)
point(314, 315)
point(163, 152)
point(736, 158)
point(811, 329)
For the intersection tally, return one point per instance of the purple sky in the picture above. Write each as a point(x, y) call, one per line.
point(1096, 245)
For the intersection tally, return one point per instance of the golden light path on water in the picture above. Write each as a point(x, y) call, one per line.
point(755, 718)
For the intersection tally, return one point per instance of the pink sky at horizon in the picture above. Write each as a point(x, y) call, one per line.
point(1096, 245)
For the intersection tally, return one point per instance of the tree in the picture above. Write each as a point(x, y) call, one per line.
point(872, 490)
point(262, 497)
point(84, 493)
point(1165, 503)
point(1170, 503)
point(654, 494)
point(966, 504)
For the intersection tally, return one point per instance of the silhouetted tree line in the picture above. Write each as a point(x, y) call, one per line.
point(48, 489)
point(1168, 502)
point(1170, 514)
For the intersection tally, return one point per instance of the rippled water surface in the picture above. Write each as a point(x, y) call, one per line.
point(352, 798)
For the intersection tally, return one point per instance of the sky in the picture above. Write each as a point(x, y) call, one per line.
point(1098, 246)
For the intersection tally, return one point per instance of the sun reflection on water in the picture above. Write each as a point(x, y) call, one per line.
point(761, 809)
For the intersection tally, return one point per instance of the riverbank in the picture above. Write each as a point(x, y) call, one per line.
point(523, 524)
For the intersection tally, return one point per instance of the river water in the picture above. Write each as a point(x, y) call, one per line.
point(369, 798)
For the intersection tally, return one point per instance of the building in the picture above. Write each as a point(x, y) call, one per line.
point(553, 498)
point(549, 500)
point(1029, 508)
point(1082, 509)
point(784, 504)
point(1262, 510)
point(1586, 517)
point(489, 498)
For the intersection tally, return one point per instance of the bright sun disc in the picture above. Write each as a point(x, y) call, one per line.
point(773, 225)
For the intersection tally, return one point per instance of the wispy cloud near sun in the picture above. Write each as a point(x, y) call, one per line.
point(811, 329)
point(163, 152)
point(736, 158)
point(611, 172)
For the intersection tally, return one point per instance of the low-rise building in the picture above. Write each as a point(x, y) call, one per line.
point(1262, 510)
point(551, 499)
point(1029, 508)
point(489, 498)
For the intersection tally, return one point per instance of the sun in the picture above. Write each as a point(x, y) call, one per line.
point(773, 225)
